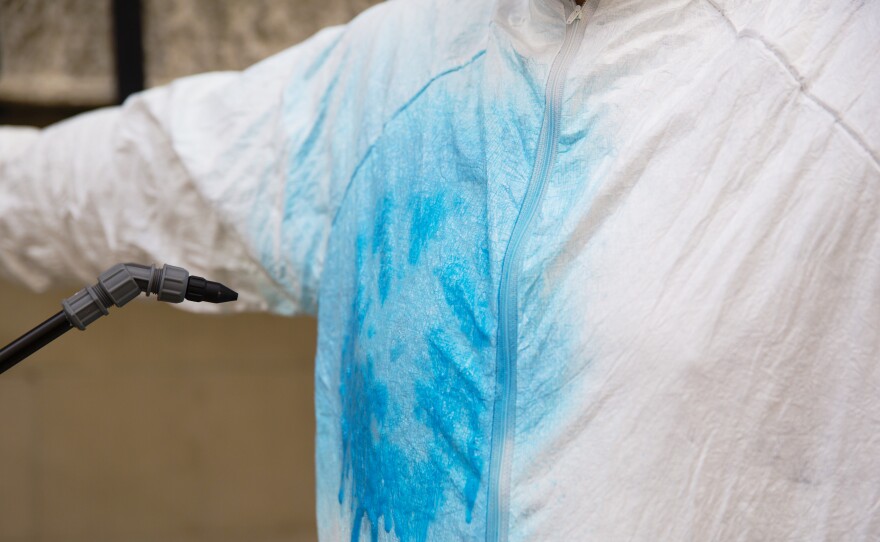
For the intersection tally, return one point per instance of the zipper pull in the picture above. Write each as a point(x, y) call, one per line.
point(575, 15)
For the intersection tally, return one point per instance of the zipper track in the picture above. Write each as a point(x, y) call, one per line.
point(504, 414)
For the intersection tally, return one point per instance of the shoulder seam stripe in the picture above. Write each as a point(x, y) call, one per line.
point(800, 80)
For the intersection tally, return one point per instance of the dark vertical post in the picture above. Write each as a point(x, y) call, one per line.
point(128, 42)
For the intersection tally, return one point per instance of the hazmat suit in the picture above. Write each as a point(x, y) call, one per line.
point(602, 273)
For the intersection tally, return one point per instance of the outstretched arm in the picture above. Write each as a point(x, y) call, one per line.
point(234, 176)
point(178, 174)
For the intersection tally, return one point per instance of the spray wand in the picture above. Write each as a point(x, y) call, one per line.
point(116, 286)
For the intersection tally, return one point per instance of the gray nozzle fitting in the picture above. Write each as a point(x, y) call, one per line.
point(119, 285)
point(172, 284)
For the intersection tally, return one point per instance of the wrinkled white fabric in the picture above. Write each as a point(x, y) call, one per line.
point(695, 299)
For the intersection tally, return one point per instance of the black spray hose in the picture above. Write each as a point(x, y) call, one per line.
point(116, 286)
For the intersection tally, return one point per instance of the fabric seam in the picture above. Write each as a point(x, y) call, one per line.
point(799, 79)
point(391, 118)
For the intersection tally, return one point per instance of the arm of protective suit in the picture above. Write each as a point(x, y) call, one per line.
point(196, 174)
point(234, 176)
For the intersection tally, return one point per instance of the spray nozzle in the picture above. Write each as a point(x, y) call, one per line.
point(116, 286)
point(199, 289)
point(124, 282)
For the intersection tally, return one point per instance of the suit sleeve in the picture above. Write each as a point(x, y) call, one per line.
point(206, 173)
point(235, 176)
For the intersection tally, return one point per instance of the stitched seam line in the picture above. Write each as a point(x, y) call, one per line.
point(800, 80)
point(393, 116)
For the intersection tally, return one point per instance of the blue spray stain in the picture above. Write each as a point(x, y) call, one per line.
point(382, 245)
point(463, 296)
point(433, 396)
point(427, 214)
point(450, 393)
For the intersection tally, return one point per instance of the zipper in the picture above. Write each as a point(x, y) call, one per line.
point(504, 413)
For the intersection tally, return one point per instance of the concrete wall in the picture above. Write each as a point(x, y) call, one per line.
point(184, 37)
point(56, 52)
point(60, 51)
point(155, 424)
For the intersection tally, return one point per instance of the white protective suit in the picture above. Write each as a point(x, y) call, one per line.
point(602, 274)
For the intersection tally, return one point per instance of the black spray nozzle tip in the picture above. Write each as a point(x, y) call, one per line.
point(199, 289)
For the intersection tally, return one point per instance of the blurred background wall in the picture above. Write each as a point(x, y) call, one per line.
point(155, 424)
